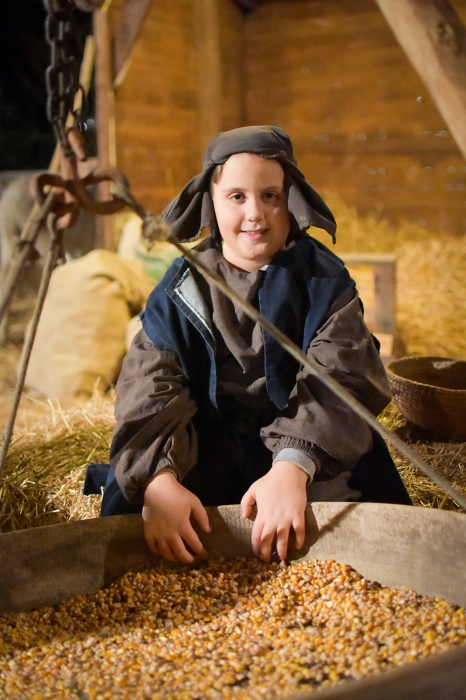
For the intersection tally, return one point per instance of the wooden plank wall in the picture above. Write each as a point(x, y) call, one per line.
point(156, 104)
point(174, 97)
point(331, 73)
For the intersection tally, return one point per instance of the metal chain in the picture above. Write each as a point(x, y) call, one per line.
point(62, 76)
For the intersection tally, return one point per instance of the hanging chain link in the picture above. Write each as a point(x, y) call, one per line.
point(62, 76)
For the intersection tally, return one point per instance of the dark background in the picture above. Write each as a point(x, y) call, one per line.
point(26, 137)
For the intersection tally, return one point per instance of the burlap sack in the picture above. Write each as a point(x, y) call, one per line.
point(155, 261)
point(81, 338)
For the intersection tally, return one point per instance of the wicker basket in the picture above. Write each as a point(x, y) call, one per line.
point(431, 394)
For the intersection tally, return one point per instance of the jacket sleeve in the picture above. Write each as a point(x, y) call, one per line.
point(153, 411)
point(315, 421)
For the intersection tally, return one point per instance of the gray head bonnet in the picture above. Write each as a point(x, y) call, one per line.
point(193, 209)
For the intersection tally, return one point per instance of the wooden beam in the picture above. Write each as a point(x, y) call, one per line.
point(105, 122)
point(219, 30)
point(125, 35)
point(434, 39)
point(209, 61)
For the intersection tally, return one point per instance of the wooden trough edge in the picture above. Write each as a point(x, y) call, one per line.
point(399, 546)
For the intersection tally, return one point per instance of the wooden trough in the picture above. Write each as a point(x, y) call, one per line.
point(398, 546)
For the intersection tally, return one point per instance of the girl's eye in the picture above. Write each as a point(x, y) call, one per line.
point(270, 195)
point(237, 196)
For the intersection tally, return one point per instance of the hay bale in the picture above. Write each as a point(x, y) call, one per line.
point(431, 278)
point(44, 471)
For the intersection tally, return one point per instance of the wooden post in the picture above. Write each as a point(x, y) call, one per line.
point(105, 122)
point(434, 39)
point(209, 60)
point(219, 35)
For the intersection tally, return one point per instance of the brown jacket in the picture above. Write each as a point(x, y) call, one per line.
point(154, 409)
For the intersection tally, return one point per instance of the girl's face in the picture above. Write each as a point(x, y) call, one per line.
point(251, 207)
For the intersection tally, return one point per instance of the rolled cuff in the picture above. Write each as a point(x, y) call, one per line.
point(302, 460)
point(162, 470)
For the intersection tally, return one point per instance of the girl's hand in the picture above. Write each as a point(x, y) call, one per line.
point(167, 511)
point(281, 500)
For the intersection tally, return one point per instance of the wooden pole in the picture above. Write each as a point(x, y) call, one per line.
point(434, 39)
point(209, 62)
point(105, 122)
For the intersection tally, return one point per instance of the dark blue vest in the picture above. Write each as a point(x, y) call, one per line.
point(299, 287)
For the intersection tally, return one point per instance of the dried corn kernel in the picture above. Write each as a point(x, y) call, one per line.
point(233, 630)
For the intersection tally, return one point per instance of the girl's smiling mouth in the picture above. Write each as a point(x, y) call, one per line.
point(254, 233)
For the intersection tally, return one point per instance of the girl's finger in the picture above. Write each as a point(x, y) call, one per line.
point(267, 539)
point(201, 517)
point(155, 548)
point(192, 540)
point(247, 503)
point(256, 537)
point(299, 527)
point(166, 550)
point(283, 535)
point(179, 550)
point(150, 540)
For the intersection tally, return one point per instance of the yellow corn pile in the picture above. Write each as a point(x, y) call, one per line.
point(236, 629)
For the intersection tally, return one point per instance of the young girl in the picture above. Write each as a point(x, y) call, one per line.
point(210, 408)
